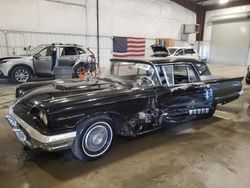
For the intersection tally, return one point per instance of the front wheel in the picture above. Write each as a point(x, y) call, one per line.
point(93, 138)
point(20, 74)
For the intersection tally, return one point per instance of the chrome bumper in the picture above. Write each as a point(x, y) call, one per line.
point(32, 138)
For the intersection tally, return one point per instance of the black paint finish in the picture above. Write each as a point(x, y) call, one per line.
point(134, 111)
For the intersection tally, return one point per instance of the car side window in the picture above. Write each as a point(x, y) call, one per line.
point(167, 76)
point(46, 52)
point(189, 51)
point(193, 77)
point(65, 51)
point(179, 74)
point(80, 51)
point(179, 52)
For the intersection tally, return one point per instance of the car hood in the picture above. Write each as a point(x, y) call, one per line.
point(70, 91)
point(14, 58)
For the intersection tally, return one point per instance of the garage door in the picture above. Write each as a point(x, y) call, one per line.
point(230, 43)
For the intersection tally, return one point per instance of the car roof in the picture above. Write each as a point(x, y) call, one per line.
point(61, 44)
point(181, 47)
point(157, 60)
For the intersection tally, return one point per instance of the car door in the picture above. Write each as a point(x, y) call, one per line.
point(182, 91)
point(42, 61)
point(67, 56)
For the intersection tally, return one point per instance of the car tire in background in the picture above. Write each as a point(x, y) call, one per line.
point(80, 69)
point(20, 74)
point(94, 138)
point(247, 80)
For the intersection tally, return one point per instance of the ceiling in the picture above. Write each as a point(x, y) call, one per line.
point(214, 4)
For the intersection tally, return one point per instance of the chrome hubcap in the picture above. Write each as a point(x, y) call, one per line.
point(21, 75)
point(96, 138)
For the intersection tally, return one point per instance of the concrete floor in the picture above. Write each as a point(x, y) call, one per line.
point(209, 153)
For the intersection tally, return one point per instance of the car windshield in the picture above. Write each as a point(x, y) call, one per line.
point(172, 50)
point(131, 72)
point(34, 50)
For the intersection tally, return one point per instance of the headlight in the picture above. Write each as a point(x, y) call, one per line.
point(43, 117)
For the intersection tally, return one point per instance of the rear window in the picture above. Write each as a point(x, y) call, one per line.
point(80, 51)
point(172, 50)
point(202, 68)
point(189, 51)
point(64, 51)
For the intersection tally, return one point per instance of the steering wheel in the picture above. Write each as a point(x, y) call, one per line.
point(144, 81)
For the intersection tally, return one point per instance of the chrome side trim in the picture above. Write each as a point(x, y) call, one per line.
point(44, 141)
point(207, 77)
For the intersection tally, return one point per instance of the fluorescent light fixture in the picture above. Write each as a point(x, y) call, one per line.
point(223, 1)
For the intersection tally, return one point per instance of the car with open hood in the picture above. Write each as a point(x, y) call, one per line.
point(134, 97)
point(187, 52)
point(181, 52)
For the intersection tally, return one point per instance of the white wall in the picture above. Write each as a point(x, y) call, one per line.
point(210, 14)
point(135, 18)
point(42, 15)
point(208, 24)
point(142, 18)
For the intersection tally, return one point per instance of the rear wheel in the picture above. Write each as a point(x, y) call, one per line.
point(80, 70)
point(247, 80)
point(20, 74)
point(93, 139)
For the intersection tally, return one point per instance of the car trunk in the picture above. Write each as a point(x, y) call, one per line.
point(225, 89)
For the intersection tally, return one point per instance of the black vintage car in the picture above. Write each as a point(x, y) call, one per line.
point(134, 97)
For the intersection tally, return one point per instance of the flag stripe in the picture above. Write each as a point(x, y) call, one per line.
point(134, 38)
point(136, 42)
point(134, 46)
point(136, 50)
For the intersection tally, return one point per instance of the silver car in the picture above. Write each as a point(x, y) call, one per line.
point(40, 61)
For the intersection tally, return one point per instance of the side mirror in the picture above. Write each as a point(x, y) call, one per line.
point(36, 56)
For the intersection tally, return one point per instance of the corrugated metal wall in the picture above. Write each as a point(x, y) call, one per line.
point(13, 42)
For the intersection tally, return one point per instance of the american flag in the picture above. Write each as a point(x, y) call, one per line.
point(128, 47)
